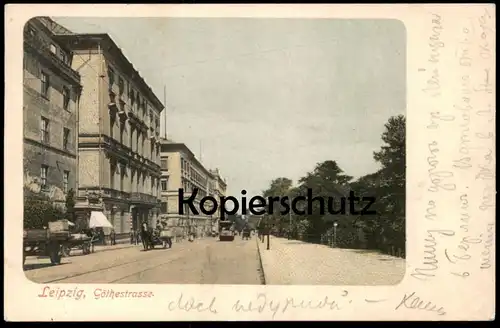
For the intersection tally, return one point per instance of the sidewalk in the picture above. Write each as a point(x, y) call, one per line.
point(292, 262)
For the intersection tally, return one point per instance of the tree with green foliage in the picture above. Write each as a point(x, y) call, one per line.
point(39, 210)
point(386, 230)
point(326, 180)
point(392, 156)
point(279, 187)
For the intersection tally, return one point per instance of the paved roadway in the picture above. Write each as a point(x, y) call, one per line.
point(204, 261)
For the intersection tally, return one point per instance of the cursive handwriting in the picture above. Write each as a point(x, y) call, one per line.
point(192, 305)
point(411, 301)
point(464, 213)
point(430, 258)
point(488, 198)
point(433, 84)
point(435, 42)
point(437, 116)
point(464, 51)
point(485, 85)
point(485, 48)
point(486, 254)
point(485, 173)
point(487, 112)
point(430, 211)
point(262, 303)
point(438, 177)
point(463, 247)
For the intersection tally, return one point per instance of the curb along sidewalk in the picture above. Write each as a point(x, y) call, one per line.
point(293, 262)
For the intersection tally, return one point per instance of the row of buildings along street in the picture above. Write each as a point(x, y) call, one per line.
point(92, 129)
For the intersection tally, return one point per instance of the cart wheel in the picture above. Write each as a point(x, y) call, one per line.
point(65, 250)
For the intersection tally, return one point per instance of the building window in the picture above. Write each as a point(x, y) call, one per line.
point(122, 129)
point(111, 78)
point(122, 106)
point(164, 208)
point(112, 176)
point(132, 98)
point(43, 177)
point(132, 138)
point(66, 182)
point(64, 57)
point(45, 84)
point(65, 92)
point(66, 134)
point(44, 130)
point(137, 145)
point(164, 185)
point(164, 164)
point(121, 86)
point(53, 49)
point(122, 177)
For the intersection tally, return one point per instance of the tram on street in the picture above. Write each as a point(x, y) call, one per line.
point(226, 230)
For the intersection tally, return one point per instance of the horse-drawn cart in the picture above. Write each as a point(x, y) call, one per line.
point(46, 242)
point(161, 237)
point(245, 234)
point(77, 241)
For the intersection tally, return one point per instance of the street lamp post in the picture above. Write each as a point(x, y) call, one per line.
point(335, 224)
point(268, 230)
point(290, 225)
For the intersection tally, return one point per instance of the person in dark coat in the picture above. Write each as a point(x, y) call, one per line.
point(132, 236)
point(112, 237)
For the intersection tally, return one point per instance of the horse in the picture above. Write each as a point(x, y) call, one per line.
point(147, 240)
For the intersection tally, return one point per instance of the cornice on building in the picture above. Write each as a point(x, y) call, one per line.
point(92, 40)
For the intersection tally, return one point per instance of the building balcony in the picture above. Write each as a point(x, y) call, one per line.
point(141, 198)
point(104, 193)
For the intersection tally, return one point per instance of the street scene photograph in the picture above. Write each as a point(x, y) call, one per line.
point(239, 151)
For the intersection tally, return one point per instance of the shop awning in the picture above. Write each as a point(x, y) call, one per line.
point(99, 220)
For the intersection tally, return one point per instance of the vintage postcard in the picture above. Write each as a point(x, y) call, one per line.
point(250, 162)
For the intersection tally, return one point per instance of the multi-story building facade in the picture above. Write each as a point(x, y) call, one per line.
point(182, 170)
point(119, 128)
point(51, 92)
point(219, 190)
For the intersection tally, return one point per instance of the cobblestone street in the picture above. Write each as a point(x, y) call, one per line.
point(205, 261)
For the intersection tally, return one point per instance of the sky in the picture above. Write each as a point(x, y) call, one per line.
point(266, 98)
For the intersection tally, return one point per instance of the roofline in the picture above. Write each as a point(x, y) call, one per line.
point(104, 37)
point(182, 146)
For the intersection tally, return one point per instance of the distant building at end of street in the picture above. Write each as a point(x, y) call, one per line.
point(180, 169)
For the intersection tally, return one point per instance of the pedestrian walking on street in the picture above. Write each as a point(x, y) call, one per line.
point(112, 237)
point(132, 236)
point(138, 237)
